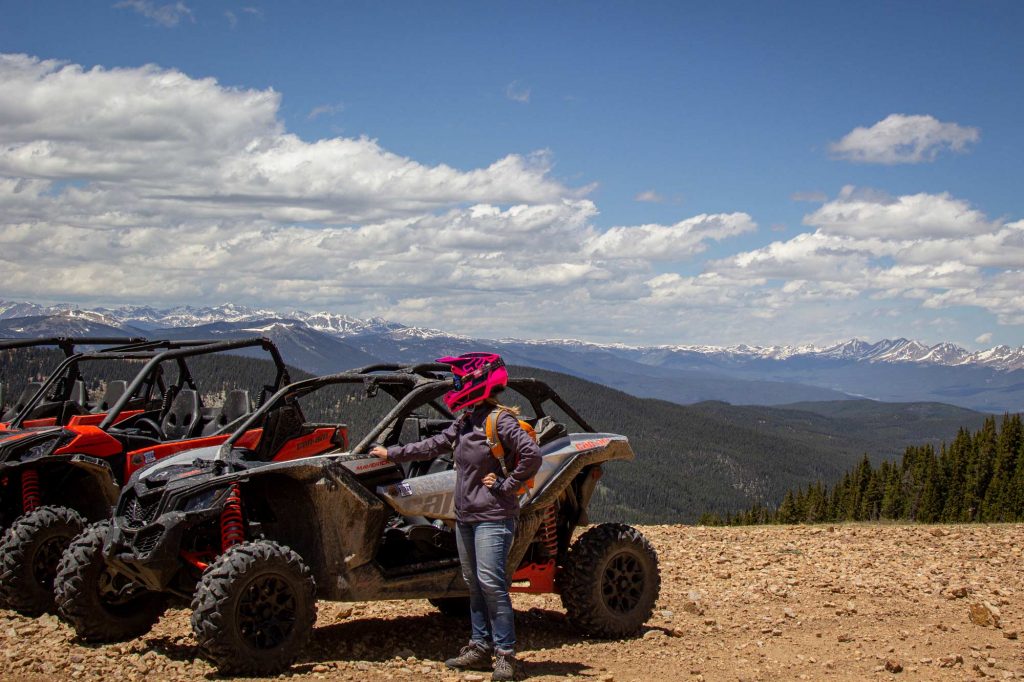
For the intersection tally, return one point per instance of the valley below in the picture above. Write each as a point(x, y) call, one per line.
point(843, 602)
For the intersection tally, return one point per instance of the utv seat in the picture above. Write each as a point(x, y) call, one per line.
point(183, 418)
point(113, 393)
point(79, 394)
point(236, 405)
point(19, 404)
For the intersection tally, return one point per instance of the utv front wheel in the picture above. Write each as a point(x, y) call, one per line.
point(99, 603)
point(29, 554)
point(610, 581)
point(254, 609)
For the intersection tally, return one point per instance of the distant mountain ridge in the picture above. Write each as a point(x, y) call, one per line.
point(891, 370)
point(1004, 358)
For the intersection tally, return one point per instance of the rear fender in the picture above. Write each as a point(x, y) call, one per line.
point(566, 457)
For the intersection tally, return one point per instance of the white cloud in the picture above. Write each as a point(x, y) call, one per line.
point(169, 14)
point(517, 92)
point(917, 216)
point(899, 138)
point(985, 338)
point(649, 196)
point(325, 110)
point(147, 185)
point(668, 242)
point(930, 249)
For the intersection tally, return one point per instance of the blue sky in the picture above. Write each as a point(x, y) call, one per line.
point(714, 109)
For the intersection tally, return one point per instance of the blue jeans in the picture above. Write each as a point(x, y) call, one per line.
point(483, 551)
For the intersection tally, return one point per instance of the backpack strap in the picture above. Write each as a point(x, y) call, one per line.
point(494, 441)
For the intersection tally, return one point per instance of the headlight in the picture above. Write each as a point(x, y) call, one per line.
point(208, 499)
point(40, 450)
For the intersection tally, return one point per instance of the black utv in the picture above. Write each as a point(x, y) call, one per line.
point(253, 537)
point(56, 478)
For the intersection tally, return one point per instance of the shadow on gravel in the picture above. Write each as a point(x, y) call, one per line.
point(430, 637)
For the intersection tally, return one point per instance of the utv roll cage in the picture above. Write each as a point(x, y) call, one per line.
point(411, 386)
point(194, 348)
point(61, 381)
point(67, 345)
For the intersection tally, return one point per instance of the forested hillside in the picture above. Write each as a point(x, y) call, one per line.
point(715, 457)
point(710, 457)
point(977, 477)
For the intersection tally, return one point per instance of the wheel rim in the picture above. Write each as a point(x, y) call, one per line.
point(266, 612)
point(622, 584)
point(45, 560)
point(115, 589)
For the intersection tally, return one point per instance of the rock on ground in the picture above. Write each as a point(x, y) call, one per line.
point(853, 602)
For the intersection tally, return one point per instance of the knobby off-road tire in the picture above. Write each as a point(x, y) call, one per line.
point(609, 581)
point(254, 609)
point(29, 553)
point(101, 605)
point(453, 607)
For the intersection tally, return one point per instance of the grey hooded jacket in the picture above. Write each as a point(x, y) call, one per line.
point(475, 502)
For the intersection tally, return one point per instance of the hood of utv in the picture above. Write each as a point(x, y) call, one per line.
point(14, 444)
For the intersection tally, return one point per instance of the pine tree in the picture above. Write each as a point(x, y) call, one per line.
point(998, 502)
point(787, 512)
point(979, 470)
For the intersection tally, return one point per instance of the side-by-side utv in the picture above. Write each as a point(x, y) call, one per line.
point(12, 402)
point(253, 539)
point(55, 479)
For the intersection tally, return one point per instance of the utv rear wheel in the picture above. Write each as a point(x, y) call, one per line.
point(453, 607)
point(254, 609)
point(29, 553)
point(99, 603)
point(610, 581)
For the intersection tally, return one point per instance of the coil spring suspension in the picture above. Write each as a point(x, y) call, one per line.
point(548, 533)
point(232, 527)
point(31, 498)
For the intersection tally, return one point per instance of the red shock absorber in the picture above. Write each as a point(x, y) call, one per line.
point(232, 528)
point(548, 533)
point(30, 495)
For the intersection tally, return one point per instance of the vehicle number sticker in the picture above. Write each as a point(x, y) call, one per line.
point(591, 444)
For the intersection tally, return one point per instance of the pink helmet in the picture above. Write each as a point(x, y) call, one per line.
point(476, 376)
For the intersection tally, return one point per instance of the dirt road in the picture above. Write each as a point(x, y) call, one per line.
point(773, 603)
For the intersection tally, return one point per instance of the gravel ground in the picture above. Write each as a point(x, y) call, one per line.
point(855, 602)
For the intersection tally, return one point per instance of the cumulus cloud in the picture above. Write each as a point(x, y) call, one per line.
point(169, 15)
point(147, 185)
point(668, 242)
point(919, 216)
point(899, 138)
point(930, 249)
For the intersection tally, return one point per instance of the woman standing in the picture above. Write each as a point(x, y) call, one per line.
point(486, 502)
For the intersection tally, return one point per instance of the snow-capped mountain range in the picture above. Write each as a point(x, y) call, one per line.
point(344, 326)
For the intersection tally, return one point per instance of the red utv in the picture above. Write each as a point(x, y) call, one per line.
point(55, 479)
point(27, 388)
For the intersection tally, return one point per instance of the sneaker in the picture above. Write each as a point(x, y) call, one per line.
point(472, 657)
point(504, 666)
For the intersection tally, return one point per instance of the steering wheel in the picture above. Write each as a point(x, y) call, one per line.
point(150, 427)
